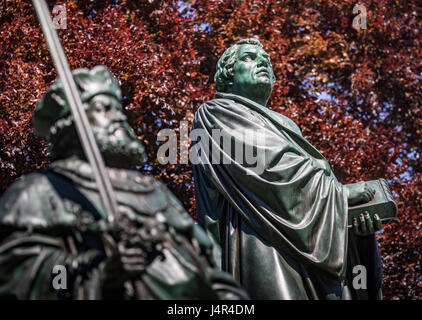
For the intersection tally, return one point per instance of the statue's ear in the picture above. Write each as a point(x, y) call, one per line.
point(229, 85)
point(49, 109)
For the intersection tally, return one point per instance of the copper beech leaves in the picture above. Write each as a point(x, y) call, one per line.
point(356, 94)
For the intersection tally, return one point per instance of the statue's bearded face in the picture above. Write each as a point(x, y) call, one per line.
point(118, 143)
point(253, 74)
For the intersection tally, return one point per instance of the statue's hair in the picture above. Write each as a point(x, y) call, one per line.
point(224, 75)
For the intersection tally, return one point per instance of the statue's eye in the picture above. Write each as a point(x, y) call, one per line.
point(247, 58)
point(99, 106)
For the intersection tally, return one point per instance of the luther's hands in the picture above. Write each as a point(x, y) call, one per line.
point(365, 226)
point(359, 193)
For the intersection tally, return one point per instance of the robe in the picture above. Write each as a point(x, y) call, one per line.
point(280, 224)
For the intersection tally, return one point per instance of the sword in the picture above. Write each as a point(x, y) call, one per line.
point(83, 128)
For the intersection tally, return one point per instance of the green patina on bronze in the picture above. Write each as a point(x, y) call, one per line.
point(283, 232)
point(52, 217)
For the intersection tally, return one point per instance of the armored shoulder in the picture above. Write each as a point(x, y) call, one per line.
point(32, 202)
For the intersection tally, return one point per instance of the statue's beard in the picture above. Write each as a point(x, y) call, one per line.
point(119, 145)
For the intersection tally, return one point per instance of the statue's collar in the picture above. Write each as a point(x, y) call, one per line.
point(281, 122)
point(240, 99)
point(271, 115)
point(80, 172)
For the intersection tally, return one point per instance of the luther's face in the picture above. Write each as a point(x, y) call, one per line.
point(252, 72)
point(116, 139)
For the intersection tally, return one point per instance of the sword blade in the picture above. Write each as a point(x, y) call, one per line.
point(82, 124)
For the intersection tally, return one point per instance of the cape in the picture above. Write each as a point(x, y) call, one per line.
point(282, 230)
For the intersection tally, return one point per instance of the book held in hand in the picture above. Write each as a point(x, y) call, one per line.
point(382, 204)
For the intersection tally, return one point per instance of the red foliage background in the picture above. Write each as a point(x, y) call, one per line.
point(356, 94)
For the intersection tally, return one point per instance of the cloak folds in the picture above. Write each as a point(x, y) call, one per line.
point(281, 222)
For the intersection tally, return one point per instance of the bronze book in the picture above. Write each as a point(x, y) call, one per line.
point(382, 203)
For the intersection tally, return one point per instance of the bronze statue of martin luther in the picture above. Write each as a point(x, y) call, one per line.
point(282, 231)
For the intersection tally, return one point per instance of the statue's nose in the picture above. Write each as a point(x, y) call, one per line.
point(118, 115)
